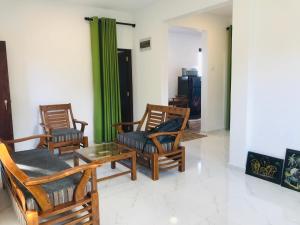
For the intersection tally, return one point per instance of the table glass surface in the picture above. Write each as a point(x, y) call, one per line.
point(102, 151)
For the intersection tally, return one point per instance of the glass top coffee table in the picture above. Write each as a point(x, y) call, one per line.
point(108, 153)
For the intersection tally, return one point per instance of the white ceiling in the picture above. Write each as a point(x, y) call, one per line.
point(128, 5)
point(223, 11)
point(178, 29)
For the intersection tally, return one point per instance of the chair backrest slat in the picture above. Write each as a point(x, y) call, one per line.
point(154, 119)
point(56, 116)
point(157, 114)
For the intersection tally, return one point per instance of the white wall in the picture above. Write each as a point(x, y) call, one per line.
point(49, 57)
point(151, 72)
point(183, 53)
point(265, 78)
point(214, 44)
point(239, 86)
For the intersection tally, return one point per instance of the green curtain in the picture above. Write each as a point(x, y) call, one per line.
point(228, 79)
point(107, 107)
point(98, 115)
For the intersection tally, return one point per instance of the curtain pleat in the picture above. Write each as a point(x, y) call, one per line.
point(98, 109)
point(109, 80)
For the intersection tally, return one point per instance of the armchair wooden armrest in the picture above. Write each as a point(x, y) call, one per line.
point(127, 123)
point(157, 143)
point(60, 175)
point(83, 124)
point(43, 139)
point(119, 126)
point(175, 133)
point(63, 212)
point(46, 128)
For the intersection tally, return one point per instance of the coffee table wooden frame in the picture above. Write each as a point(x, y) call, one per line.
point(129, 154)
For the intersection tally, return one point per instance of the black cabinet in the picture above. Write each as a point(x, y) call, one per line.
point(190, 86)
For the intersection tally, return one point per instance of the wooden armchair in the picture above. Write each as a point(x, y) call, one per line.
point(57, 121)
point(156, 154)
point(64, 195)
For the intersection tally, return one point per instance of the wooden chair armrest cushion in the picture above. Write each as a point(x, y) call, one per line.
point(81, 122)
point(60, 175)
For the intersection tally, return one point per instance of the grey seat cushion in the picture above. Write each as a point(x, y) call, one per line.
point(139, 141)
point(66, 134)
point(37, 163)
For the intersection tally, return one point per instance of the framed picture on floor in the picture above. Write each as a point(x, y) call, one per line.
point(264, 167)
point(291, 170)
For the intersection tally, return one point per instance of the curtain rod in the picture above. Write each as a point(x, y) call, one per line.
point(120, 23)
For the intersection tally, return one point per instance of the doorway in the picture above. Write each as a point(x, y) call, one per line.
point(125, 76)
point(6, 126)
point(185, 71)
point(215, 67)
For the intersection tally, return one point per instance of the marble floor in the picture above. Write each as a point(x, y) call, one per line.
point(208, 193)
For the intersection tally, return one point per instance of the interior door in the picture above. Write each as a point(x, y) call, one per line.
point(6, 127)
point(125, 75)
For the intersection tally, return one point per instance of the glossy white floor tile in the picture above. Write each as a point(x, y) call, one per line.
point(208, 193)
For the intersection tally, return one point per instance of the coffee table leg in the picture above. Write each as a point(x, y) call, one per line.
point(76, 160)
point(113, 165)
point(133, 167)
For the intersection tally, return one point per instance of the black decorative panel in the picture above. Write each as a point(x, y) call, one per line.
point(264, 167)
point(145, 44)
point(291, 171)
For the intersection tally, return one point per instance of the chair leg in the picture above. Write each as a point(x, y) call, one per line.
point(51, 147)
point(181, 167)
point(32, 218)
point(3, 186)
point(2, 179)
point(85, 142)
point(95, 208)
point(155, 166)
point(133, 167)
point(113, 165)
